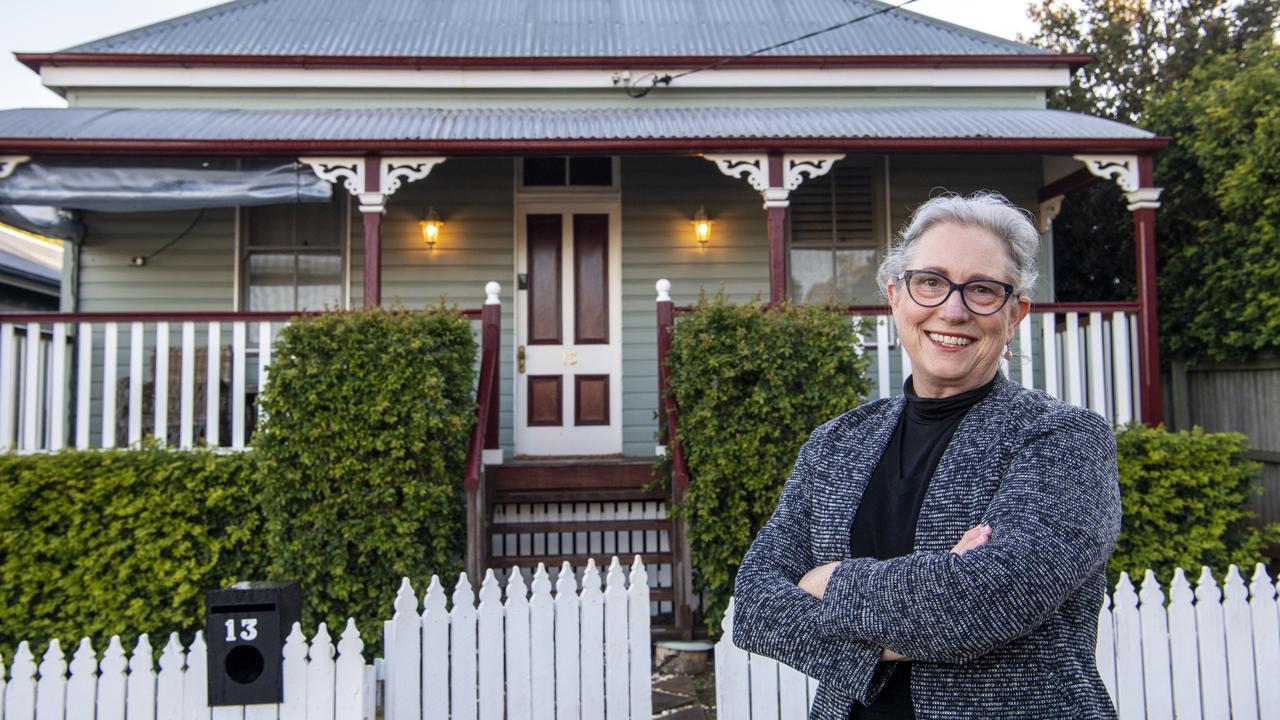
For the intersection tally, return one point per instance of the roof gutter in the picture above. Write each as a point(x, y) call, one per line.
point(36, 61)
point(358, 147)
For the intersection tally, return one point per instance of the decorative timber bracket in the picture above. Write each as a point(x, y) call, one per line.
point(775, 182)
point(9, 163)
point(354, 174)
point(372, 179)
point(1124, 171)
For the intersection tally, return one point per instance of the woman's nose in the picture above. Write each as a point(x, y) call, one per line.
point(954, 309)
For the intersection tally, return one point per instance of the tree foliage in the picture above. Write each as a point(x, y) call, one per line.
point(1150, 58)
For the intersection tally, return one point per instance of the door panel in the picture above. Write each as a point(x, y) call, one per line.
point(544, 278)
point(591, 400)
point(546, 398)
point(591, 279)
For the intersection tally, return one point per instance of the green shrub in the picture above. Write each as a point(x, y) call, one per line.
point(363, 445)
point(96, 543)
point(750, 386)
point(1186, 497)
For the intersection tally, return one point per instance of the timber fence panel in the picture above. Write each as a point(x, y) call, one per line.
point(1183, 649)
point(349, 683)
point(51, 688)
point(169, 681)
point(140, 692)
point(294, 674)
point(568, 660)
point(593, 633)
point(1156, 677)
point(434, 651)
point(462, 651)
point(490, 629)
point(639, 642)
point(320, 676)
point(542, 645)
point(733, 689)
point(793, 694)
point(615, 659)
point(1266, 642)
point(519, 688)
point(403, 648)
point(1129, 698)
point(763, 673)
point(20, 692)
point(1211, 635)
point(82, 686)
point(113, 683)
point(1242, 684)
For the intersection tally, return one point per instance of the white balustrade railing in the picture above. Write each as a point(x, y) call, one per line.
point(104, 381)
point(1211, 652)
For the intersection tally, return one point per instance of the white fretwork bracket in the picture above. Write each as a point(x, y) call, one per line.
point(1049, 209)
point(1123, 169)
point(800, 167)
point(9, 163)
point(406, 169)
point(796, 168)
point(347, 170)
point(752, 168)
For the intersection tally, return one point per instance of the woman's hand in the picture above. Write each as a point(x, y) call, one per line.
point(815, 581)
point(977, 536)
point(887, 655)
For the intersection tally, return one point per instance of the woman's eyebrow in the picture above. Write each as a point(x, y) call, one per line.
point(943, 273)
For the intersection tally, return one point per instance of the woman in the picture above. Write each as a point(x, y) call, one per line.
point(942, 554)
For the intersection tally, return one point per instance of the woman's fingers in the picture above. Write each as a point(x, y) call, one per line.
point(975, 537)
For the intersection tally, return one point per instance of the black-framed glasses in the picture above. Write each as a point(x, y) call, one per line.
point(931, 289)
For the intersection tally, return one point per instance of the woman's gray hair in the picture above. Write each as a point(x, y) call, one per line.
point(988, 210)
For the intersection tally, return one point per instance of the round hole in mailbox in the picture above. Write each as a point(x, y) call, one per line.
point(244, 664)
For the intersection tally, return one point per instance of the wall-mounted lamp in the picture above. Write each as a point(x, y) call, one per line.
point(701, 227)
point(431, 226)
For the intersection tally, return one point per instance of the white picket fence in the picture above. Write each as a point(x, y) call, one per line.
point(316, 686)
point(581, 653)
point(1211, 653)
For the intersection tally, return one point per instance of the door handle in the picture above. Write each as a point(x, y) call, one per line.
point(520, 359)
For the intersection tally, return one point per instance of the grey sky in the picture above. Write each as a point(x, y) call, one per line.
point(56, 24)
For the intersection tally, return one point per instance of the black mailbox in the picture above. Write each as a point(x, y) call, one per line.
point(246, 625)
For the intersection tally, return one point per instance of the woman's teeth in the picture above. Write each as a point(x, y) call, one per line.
point(951, 340)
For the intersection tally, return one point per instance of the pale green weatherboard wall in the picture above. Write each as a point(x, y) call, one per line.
point(474, 197)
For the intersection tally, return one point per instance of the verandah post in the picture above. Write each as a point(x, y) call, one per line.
point(1144, 230)
point(486, 410)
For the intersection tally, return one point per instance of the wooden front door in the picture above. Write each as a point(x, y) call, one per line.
point(568, 392)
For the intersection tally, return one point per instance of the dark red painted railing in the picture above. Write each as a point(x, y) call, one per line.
point(485, 435)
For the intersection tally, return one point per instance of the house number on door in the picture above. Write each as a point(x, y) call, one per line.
point(569, 357)
point(248, 629)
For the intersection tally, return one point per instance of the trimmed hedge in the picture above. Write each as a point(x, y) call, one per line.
point(751, 386)
point(1186, 498)
point(367, 420)
point(96, 543)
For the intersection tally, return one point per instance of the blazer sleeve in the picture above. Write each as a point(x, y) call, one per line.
point(775, 618)
point(1054, 523)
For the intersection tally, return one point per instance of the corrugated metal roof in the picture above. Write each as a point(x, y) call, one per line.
point(549, 28)
point(413, 124)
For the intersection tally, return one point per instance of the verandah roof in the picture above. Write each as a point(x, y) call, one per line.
point(610, 129)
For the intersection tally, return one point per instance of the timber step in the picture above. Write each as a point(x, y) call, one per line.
point(566, 526)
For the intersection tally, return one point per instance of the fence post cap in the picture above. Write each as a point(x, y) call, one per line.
point(491, 291)
point(663, 287)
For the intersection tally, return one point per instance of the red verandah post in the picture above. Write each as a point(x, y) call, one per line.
point(485, 434)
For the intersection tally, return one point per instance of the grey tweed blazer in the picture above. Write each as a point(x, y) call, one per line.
point(1006, 631)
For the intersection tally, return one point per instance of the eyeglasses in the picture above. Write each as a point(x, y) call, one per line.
point(931, 289)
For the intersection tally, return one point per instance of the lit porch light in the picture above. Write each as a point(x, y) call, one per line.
point(702, 227)
point(431, 228)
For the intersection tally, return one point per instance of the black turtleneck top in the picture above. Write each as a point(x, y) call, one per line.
point(885, 525)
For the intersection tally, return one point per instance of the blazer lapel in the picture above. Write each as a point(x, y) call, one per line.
point(855, 452)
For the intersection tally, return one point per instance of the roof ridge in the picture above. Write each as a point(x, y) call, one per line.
point(912, 16)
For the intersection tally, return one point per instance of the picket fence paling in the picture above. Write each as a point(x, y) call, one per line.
point(579, 652)
point(127, 687)
point(1212, 654)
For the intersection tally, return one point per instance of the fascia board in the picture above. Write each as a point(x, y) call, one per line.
point(68, 77)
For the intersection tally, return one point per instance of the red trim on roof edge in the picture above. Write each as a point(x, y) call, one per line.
point(37, 60)
point(514, 147)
